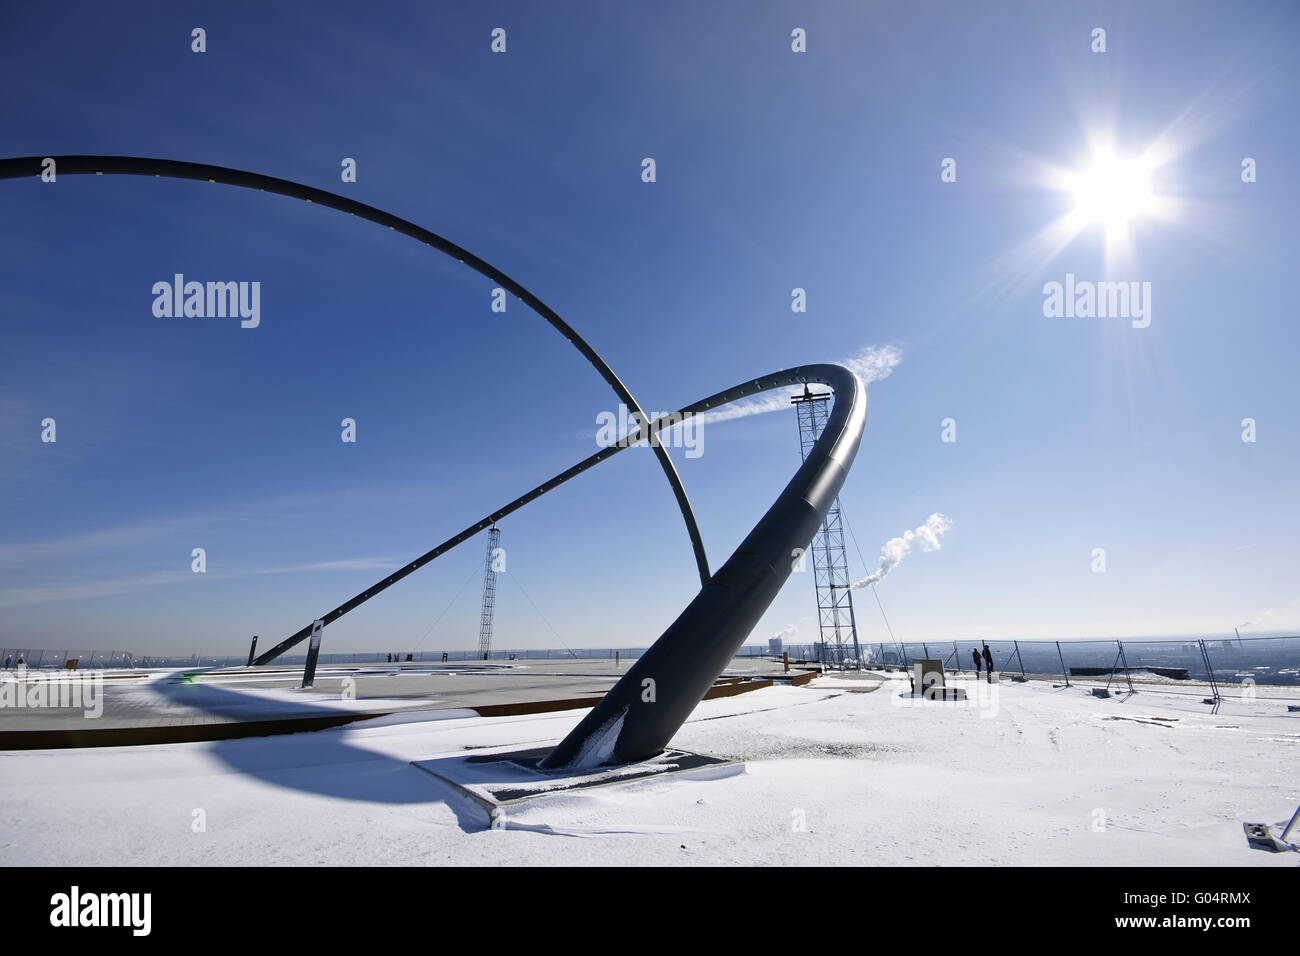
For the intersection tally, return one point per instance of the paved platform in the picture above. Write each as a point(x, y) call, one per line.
point(160, 706)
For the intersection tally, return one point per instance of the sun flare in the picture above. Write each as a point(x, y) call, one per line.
point(1112, 191)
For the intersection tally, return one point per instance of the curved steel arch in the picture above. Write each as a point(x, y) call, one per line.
point(640, 714)
point(19, 167)
point(688, 657)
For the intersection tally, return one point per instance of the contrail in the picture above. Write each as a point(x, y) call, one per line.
point(895, 549)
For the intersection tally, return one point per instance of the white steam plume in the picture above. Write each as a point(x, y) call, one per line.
point(895, 549)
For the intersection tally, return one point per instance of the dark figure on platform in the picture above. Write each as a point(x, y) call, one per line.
point(974, 652)
point(988, 662)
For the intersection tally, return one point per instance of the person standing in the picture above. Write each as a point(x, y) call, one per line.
point(974, 652)
point(988, 662)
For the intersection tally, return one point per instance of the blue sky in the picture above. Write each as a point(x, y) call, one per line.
point(775, 170)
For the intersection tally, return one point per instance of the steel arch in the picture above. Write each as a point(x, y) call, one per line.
point(19, 167)
point(688, 657)
point(640, 714)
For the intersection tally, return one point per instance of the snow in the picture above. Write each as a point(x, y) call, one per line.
point(600, 747)
point(1032, 775)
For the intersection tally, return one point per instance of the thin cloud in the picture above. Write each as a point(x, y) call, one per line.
point(871, 364)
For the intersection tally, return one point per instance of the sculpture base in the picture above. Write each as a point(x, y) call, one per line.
point(502, 779)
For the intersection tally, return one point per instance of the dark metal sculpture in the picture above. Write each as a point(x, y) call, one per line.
point(640, 714)
point(849, 394)
point(636, 719)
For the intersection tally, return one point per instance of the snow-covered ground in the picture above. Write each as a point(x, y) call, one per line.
point(1037, 775)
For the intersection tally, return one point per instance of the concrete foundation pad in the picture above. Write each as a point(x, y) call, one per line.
point(501, 779)
point(1260, 836)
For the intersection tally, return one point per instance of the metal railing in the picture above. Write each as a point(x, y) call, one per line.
point(40, 658)
point(1218, 662)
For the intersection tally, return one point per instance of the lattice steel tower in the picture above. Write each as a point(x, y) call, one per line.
point(839, 631)
point(489, 593)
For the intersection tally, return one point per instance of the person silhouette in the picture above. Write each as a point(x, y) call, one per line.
point(988, 662)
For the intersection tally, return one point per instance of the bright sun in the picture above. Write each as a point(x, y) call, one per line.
point(1112, 191)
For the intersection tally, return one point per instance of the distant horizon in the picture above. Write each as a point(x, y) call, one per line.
point(299, 651)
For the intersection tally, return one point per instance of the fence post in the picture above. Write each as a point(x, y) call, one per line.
point(1122, 658)
point(1064, 673)
point(1209, 670)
